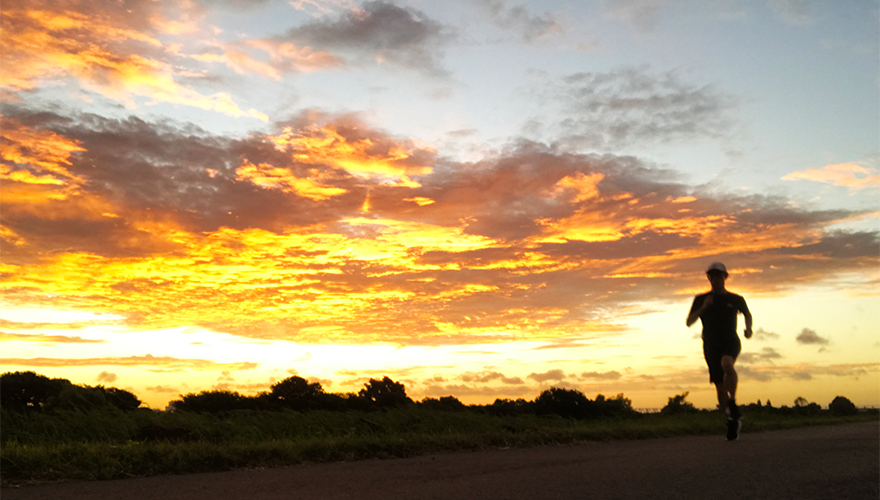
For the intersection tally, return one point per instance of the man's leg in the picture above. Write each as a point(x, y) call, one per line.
point(722, 396)
point(730, 379)
point(729, 392)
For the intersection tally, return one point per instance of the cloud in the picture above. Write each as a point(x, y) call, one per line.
point(762, 335)
point(519, 20)
point(807, 371)
point(162, 389)
point(489, 376)
point(549, 375)
point(642, 15)
point(163, 363)
point(766, 354)
point(808, 336)
point(50, 339)
point(798, 12)
point(379, 32)
point(340, 232)
point(108, 377)
point(284, 57)
point(851, 175)
point(108, 49)
point(620, 108)
point(609, 375)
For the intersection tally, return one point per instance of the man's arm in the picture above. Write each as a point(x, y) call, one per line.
point(748, 317)
point(696, 312)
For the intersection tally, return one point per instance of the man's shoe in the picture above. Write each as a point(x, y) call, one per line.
point(733, 428)
point(734, 410)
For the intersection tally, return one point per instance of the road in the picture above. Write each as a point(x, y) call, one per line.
point(837, 462)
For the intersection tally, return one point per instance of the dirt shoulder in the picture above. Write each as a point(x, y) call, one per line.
point(840, 461)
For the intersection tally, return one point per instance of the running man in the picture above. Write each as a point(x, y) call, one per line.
point(717, 310)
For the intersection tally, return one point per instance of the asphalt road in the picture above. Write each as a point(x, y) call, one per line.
point(838, 462)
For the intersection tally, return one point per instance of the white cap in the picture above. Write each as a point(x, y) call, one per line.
point(716, 266)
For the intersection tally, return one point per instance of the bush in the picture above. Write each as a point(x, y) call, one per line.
point(214, 402)
point(842, 406)
point(677, 405)
point(385, 393)
point(564, 402)
point(446, 403)
point(20, 391)
point(297, 393)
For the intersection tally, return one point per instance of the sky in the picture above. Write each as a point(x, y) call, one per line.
point(481, 198)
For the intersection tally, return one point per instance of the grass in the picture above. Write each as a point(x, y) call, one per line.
point(41, 447)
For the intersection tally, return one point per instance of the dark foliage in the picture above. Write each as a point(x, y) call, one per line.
point(572, 403)
point(678, 404)
point(21, 391)
point(298, 394)
point(385, 393)
point(504, 407)
point(446, 403)
point(842, 406)
point(28, 391)
point(215, 402)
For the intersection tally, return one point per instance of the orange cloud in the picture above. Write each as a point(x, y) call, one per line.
point(361, 156)
point(40, 46)
point(270, 177)
point(851, 175)
point(167, 363)
point(49, 339)
point(42, 150)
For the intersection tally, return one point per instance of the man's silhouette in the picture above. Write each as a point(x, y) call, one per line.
point(717, 310)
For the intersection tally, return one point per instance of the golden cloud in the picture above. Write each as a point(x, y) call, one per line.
point(851, 175)
point(168, 363)
point(270, 177)
point(360, 156)
point(39, 46)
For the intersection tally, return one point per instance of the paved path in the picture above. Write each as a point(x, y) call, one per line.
point(837, 462)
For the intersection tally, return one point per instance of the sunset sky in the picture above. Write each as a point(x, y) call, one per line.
point(480, 198)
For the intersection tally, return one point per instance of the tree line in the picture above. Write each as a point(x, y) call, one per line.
point(28, 391)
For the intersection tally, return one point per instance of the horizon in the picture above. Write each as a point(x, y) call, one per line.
point(480, 199)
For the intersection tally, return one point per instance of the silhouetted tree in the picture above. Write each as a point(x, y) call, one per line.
point(565, 402)
point(297, 393)
point(804, 407)
point(385, 393)
point(214, 402)
point(21, 391)
point(678, 404)
point(445, 403)
point(842, 406)
point(75, 397)
point(120, 398)
point(618, 406)
point(503, 407)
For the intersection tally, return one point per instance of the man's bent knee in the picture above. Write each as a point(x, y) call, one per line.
point(727, 363)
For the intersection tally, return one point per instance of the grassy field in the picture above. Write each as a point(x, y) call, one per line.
point(105, 444)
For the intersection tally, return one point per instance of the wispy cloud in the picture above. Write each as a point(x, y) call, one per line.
point(378, 32)
point(159, 363)
point(108, 50)
point(852, 175)
point(616, 109)
point(517, 19)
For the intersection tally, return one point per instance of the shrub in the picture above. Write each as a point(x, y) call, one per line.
point(385, 393)
point(678, 404)
point(564, 402)
point(842, 406)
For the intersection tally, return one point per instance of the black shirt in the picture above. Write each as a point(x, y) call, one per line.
point(719, 320)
